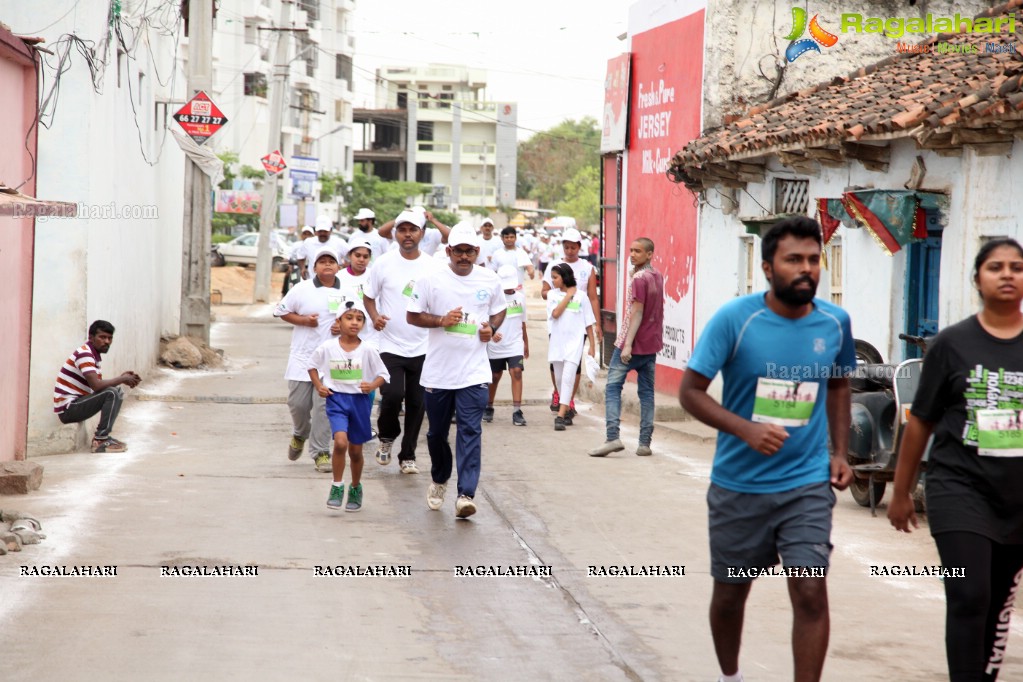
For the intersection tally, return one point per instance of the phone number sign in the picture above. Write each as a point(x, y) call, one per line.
point(200, 118)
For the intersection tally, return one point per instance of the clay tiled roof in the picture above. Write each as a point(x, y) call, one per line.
point(942, 100)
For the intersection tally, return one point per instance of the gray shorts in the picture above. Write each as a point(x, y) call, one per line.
point(749, 531)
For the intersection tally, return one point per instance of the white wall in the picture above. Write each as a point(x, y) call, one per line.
point(983, 202)
point(124, 269)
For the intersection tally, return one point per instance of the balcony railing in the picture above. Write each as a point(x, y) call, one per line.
point(430, 146)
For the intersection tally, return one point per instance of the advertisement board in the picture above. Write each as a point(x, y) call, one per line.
point(664, 114)
point(237, 201)
point(616, 103)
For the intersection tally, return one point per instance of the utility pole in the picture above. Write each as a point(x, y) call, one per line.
point(306, 105)
point(195, 261)
point(268, 210)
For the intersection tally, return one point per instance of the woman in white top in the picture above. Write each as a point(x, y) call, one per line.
point(570, 320)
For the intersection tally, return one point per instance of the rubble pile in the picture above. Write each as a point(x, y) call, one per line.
point(17, 530)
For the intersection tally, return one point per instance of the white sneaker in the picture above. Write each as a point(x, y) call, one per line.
point(464, 507)
point(408, 466)
point(435, 496)
point(384, 452)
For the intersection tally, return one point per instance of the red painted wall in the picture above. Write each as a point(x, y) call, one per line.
point(18, 83)
point(666, 96)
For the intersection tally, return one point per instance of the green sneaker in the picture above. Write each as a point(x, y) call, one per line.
point(322, 462)
point(337, 496)
point(295, 448)
point(354, 498)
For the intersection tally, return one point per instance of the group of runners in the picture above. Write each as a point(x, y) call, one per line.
point(431, 333)
point(431, 317)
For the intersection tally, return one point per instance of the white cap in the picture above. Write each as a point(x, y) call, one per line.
point(509, 276)
point(417, 218)
point(365, 214)
point(350, 301)
point(324, 223)
point(572, 235)
point(463, 234)
point(326, 250)
point(308, 228)
point(358, 241)
point(487, 221)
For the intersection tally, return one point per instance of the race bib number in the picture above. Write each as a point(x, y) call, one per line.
point(334, 302)
point(785, 403)
point(468, 326)
point(515, 310)
point(999, 433)
point(574, 307)
point(345, 370)
point(407, 291)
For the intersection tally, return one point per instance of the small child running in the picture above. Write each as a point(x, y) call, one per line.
point(338, 369)
point(571, 321)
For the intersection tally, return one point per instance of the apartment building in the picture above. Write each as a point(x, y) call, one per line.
point(434, 124)
point(317, 120)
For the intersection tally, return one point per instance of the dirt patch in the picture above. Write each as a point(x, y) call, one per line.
point(237, 282)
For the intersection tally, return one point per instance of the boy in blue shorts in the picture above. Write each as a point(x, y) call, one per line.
point(339, 369)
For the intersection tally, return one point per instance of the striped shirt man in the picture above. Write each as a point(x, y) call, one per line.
point(71, 380)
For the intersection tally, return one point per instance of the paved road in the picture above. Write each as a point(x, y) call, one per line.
point(206, 482)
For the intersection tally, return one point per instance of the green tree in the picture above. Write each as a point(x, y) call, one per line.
point(582, 200)
point(386, 199)
point(330, 184)
point(229, 158)
point(446, 217)
point(250, 173)
point(549, 160)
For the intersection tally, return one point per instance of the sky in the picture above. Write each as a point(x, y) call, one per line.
point(550, 56)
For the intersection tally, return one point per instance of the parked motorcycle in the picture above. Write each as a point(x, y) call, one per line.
point(882, 395)
point(292, 276)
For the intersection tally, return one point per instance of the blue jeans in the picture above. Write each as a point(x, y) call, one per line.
point(440, 405)
point(644, 366)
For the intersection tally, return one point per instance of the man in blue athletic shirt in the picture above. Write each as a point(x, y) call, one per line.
point(784, 359)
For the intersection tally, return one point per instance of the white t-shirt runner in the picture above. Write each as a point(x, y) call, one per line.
point(568, 332)
point(487, 247)
point(310, 246)
point(511, 344)
point(346, 370)
point(391, 281)
point(355, 285)
point(583, 270)
point(306, 298)
point(378, 245)
point(431, 241)
point(517, 258)
point(457, 357)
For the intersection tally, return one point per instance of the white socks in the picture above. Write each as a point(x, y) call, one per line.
point(737, 677)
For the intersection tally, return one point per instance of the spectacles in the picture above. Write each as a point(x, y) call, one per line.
point(464, 252)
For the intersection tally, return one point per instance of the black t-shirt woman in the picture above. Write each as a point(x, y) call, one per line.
point(970, 397)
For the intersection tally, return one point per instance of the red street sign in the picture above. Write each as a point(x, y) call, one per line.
point(200, 118)
point(274, 162)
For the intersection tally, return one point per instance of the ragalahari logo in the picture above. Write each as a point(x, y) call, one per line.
point(818, 36)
